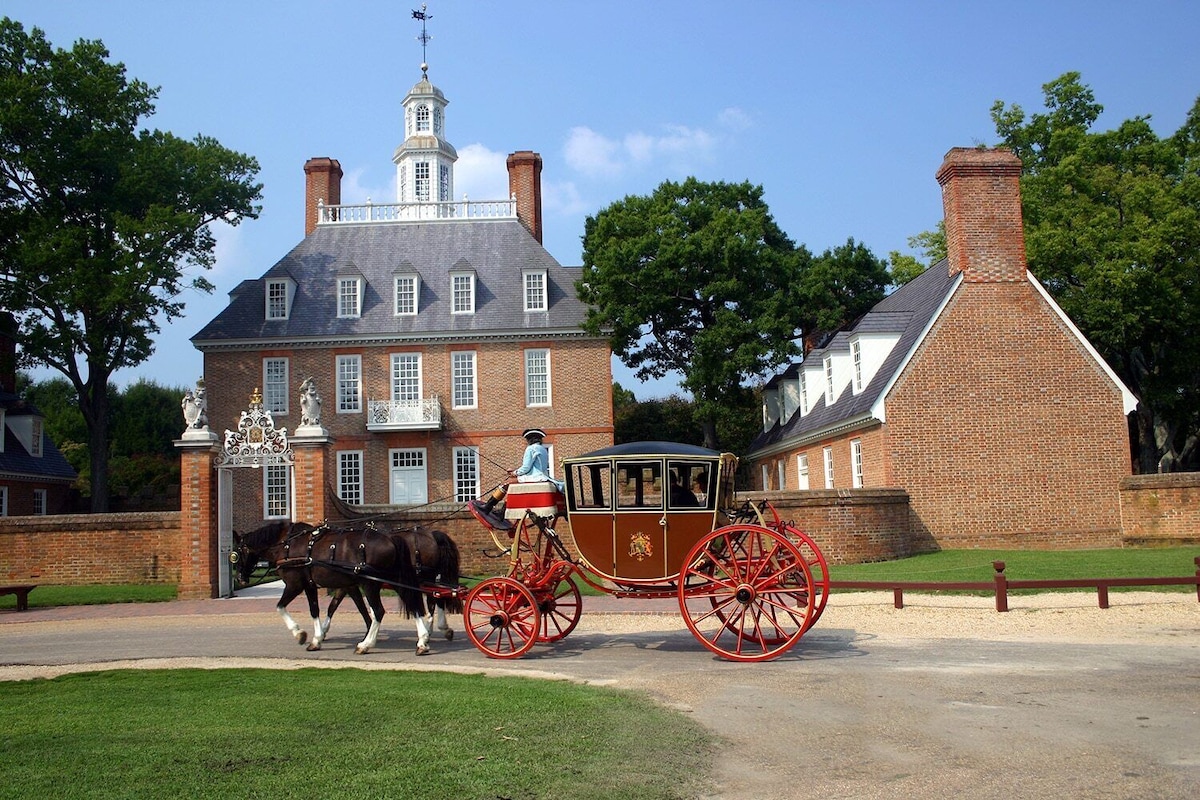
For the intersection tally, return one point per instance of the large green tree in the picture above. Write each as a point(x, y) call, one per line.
point(698, 279)
point(102, 225)
point(1112, 229)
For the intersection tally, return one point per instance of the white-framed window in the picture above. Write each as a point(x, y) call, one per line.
point(803, 393)
point(350, 476)
point(421, 178)
point(444, 183)
point(278, 299)
point(39, 502)
point(828, 453)
point(406, 377)
point(403, 181)
point(409, 477)
point(408, 288)
point(802, 471)
point(466, 474)
point(349, 384)
point(35, 437)
point(422, 118)
point(462, 292)
point(781, 473)
point(828, 380)
point(856, 463)
point(349, 299)
point(462, 372)
point(537, 377)
point(275, 385)
point(276, 492)
point(437, 120)
point(856, 357)
point(3, 501)
point(535, 291)
point(766, 477)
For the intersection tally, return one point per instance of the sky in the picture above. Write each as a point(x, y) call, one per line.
point(841, 111)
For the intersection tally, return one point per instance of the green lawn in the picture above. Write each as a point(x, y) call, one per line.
point(976, 565)
point(341, 733)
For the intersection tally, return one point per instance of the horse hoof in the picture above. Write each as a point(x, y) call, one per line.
point(449, 634)
point(302, 637)
point(313, 646)
point(422, 651)
point(361, 651)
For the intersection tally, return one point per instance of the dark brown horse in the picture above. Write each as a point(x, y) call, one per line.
point(360, 562)
point(436, 561)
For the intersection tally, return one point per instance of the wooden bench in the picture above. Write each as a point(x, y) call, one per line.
point(22, 593)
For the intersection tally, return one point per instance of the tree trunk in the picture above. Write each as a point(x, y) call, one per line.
point(1147, 451)
point(98, 445)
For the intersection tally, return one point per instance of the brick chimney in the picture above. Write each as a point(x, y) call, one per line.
point(525, 181)
point(322, 183)
point(981, 200)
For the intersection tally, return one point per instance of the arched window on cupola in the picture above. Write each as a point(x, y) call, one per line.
point(422, 119)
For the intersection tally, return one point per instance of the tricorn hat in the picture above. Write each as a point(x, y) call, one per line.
point(534, 433)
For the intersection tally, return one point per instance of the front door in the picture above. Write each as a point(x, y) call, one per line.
point(410, 483)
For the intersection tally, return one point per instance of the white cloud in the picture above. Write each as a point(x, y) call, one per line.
point(675, 149)
point(563, 198)
point(591, 153)
point(355, 191)
point(480, 174)
point(735, 119)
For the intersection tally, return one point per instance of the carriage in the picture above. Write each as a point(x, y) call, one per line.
point(648, 520)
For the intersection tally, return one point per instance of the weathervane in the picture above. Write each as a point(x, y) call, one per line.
point(424, 37)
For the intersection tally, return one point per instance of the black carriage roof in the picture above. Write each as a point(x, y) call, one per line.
point(650, 449)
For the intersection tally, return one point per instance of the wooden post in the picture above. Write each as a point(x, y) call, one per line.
point(1001, 586)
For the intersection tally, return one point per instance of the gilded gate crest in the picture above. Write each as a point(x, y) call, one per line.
point(640, 547)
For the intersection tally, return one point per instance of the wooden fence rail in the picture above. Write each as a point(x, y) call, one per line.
point(1001, 585)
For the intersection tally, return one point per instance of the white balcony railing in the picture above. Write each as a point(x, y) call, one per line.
point(369, 212)
point(404, 415)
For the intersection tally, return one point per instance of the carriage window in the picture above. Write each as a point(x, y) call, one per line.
point(639, 485)
point(589, 486)
point(691, 484)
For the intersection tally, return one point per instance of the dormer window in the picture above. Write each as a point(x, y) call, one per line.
point(35, 438)
point(856, 357)
point(349, 299)
point(408, 291)
point(422, 119)
point(535, 290)
point(462, 290)
point(803, 393)
point(828, 380)
point(279, 298)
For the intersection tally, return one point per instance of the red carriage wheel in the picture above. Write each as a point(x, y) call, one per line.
point(501, 618)
point(746, 592)
point(560, 610)
point(817, 566)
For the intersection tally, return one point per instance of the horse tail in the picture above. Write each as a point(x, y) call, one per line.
point(447, 569)
point(412, 599)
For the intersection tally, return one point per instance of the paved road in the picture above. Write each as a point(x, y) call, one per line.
point(854, 711)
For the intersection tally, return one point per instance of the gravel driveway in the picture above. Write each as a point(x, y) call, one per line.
point(943, 698)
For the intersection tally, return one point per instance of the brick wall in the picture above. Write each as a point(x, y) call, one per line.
point(525, 182)
point(82, 549)
point(1004, 431)
point(1161, 509)
point(851, 526)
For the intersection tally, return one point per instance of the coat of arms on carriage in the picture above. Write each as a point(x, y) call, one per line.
point(640, 547)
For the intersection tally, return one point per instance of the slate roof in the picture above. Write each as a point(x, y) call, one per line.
point(907, 312)
point(16, 462)
point(496, 250)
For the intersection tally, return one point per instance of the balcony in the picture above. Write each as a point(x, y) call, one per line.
point(404, 415)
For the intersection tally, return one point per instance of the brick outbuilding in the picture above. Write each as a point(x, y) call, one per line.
point(967, 387)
